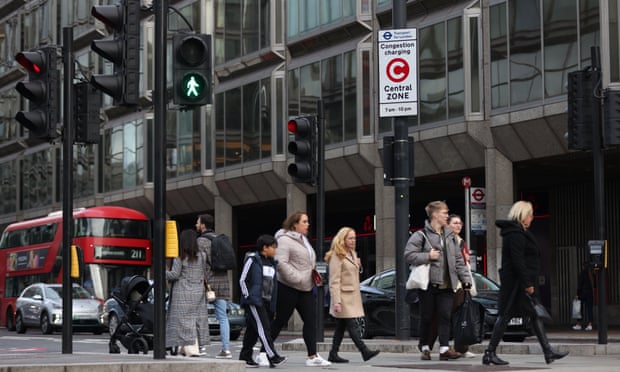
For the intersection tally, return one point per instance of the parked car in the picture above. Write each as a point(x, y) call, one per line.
point(112, 313)
point(379, 296)
point(40, 305)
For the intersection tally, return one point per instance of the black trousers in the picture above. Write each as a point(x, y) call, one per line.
point(290, 299)
point(437, 302)
point(350, 325)
point(258, 327)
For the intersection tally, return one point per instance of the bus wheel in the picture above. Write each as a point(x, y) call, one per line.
point(46, 326)
point(19, 323)
point(10, 321)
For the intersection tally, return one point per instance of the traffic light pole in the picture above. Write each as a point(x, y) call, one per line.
point(67, 190)
point(401, 194)
point(320, 220)
point(599, 191)
point(159, 178)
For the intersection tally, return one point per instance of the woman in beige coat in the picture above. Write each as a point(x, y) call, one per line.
point(344, 289)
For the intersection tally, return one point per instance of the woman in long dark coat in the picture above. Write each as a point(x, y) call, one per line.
point(518, 276)
point(187, 317)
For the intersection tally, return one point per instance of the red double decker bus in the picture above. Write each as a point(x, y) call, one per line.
point(112, 242)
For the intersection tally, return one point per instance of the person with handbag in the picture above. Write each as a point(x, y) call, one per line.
point(296, 263)
point(585, 294)
point(346, 298)
point(187, 321)
point(437, 245)
point(519, 277)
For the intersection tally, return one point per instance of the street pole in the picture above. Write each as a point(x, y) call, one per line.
point(401, 194)
point(67, 190)
point(320, 222)
point(159, 178)
point(599, 189)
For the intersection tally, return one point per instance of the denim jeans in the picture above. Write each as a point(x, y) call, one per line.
point(220, 315)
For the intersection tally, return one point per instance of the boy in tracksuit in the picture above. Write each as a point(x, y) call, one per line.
point(258, 283)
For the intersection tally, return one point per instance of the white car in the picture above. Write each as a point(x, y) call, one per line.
point(40, 306)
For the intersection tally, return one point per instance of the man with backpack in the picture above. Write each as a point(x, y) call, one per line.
point(220, 259)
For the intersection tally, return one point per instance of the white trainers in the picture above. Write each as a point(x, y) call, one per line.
point(262, 360)
point(317, 361)
point(589, 327)
point(469, 354)
point(577, 327)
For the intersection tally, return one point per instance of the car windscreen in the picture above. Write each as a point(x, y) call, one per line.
point(76, 293)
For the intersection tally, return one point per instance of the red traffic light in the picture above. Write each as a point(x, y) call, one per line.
point(32, 61)
point(300, 126)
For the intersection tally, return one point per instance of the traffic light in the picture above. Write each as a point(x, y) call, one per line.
point(304, 147)
point(87, 103)
point(123, 50)
point(192, 69)
point(611, 135)
point(582, 108)
point(41, 90)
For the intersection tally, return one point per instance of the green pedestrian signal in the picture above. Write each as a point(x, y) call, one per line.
point(193, 87)
point(192, 69)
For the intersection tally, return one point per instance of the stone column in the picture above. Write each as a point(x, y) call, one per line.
point(385, 223)
point(500, 197)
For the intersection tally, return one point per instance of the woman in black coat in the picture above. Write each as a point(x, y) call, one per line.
point(518, 276)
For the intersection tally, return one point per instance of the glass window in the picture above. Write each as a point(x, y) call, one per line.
point(172, 162)
point(614, 42)
point(185, 139)
point(350, 95)
point(250, 18)
point(123, 156)
point(232, 25)
point(367, 102)
point(310, 87)
point(525, 51)
point(432, 59)
point(560, 38)
point(499, 56)
point(36, 180)
point(9, 128)
point(84, 174)
point(476, 67)
point(332, 95)
point(456, 85)
point(293, 92)
point(220, 138)
point(265, 118)
point(234, 152)
point(8, 43)
point(589, 27)
point(8, 187)
point(252, 114)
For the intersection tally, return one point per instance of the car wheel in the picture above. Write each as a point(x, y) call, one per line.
point(138, 345)
point(19, 323)
point(235, 335)
point(46, 326)
point(10, 321)
point(113, 323)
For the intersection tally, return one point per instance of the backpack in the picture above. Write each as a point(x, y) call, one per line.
point(222, 253)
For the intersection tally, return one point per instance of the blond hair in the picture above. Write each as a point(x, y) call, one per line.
point(337, 247)
point(435, 206)
point(520, 211)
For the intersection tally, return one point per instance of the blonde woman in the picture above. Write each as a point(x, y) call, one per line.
point(344, 289)
point(518, 275)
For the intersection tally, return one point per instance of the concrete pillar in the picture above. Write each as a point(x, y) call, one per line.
point(500, 197)
point(385, 223)
point(296, 200)
point(223, 218)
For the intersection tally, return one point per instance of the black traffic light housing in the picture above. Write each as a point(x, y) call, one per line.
point(86, 107)
point(123, 50)
point(583, 108)
point(611, 134)
point(304, 147)
point(42, 90)
point(191, 69)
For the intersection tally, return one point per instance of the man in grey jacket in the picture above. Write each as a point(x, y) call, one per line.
point(437, 245)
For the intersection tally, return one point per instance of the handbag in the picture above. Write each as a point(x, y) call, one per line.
point(539, 309)
point(419, 277)
point(210, 294)
point(576, 310)
point(467, 322)
point(316, 278)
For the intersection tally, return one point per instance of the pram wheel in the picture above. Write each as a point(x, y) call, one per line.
point(138, 345)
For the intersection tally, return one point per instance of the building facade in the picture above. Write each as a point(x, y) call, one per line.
point(492, 79)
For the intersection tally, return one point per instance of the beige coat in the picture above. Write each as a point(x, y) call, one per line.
point(296, 260)
point(344, 287)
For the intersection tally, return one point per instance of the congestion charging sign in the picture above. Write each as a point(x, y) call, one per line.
point(398, 95)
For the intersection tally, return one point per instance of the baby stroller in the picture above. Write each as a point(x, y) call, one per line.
point(135, 328)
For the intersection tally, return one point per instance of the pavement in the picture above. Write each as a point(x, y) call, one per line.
point(586, 354)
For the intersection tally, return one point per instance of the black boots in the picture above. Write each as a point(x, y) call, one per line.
point(550, 354)
point(368, 354)
point(490, 357)
point(335, 358)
